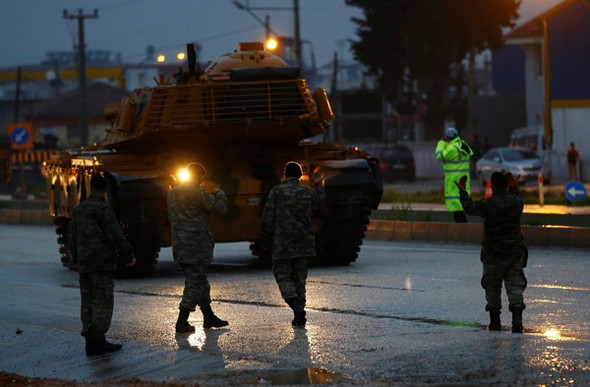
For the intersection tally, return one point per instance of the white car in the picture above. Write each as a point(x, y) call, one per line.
point(518, 161)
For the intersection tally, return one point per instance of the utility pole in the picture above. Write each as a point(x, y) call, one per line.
point(82, 68)
point(297, 33)
point(17, 99)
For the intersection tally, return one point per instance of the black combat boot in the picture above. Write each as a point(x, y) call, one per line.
point(182, 325)
point(299, 319)
point(495, 323)
point(517, 320)
point(89, 345)
point(210, 320)
point(109, 347)
point(99, 346)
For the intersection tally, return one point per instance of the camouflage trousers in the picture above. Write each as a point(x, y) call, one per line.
point(197, 290)
point(291, 276)
point(508, 270)
point(97, 291)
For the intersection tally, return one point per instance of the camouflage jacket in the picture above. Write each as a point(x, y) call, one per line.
point(501, 214)
point(95, 237)
point(189, 212)
point(286, 219)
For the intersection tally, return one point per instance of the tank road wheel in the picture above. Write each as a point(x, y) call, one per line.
point(61, 229)
point(146, 248)
point(344, 226)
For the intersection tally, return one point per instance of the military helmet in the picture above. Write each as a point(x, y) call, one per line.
point(98, 182)
point(196, 169)
point(499, 181)
point(293, 169)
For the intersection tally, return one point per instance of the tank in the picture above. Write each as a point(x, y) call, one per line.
point(243, 117)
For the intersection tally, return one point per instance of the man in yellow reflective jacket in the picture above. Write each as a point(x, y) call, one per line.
point(454, 153)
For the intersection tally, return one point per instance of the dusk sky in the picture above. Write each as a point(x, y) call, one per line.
point(30, 28)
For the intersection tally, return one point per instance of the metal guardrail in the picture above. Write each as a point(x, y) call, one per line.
point(227, 103)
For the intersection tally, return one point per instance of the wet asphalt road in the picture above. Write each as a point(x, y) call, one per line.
point(405, 312)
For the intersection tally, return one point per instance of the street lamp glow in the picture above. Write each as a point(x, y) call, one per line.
point(271, 44)
point(180, 56)
point(161, 58)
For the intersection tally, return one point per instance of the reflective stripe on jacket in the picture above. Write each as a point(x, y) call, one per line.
point(454, 155)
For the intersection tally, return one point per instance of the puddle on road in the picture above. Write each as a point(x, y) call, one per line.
point(306, 376)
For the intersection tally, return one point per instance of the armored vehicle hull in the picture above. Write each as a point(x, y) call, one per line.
point(242, 118)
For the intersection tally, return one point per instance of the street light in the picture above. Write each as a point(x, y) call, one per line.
point(266, 24)
point(271, 44)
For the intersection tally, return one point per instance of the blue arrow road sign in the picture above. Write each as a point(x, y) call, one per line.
point(19, 136)
point(574, 191)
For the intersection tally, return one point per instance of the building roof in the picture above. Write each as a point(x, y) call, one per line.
point(534, 27)
point(67, 105)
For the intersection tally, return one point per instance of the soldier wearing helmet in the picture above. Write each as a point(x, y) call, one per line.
point(454, 154)
point(97, 242)
point(503, 251)
point(286, 230)
point(189, 211)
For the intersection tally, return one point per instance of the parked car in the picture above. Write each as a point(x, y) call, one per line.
point(397, 163)
point(516, 160)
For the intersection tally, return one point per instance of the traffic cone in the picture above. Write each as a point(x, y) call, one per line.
point(488, 192)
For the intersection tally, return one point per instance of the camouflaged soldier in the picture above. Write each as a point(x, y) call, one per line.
point(503, 252)
point(96, 242)
point(286, 230)
point(189, 212)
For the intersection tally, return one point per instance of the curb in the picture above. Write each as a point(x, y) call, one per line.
point(561, 236)
point(558, 236)
point(19, 216)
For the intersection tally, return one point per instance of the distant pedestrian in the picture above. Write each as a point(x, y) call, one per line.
point(503, 253)
point(189, 211)
point(454, 154)
point(573, 157)
point(286, 230)
point(96, 242)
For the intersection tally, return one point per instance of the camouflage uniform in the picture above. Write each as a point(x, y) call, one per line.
point(189, 212)
point(503, 250)
point(96, 242)
point(286, 229)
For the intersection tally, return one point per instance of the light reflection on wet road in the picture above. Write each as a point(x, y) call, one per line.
point(405, 312)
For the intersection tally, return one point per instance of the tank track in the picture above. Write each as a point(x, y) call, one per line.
point(61, 229)
point(343, 230)
point(145, 248)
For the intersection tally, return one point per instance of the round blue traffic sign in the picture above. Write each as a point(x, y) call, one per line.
point(574, 191)
point(19, 136)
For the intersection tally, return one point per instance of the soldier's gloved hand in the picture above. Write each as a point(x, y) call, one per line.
point(132, 262)
point(512, 181)
point(319, 179)
point(264, 245)
point(462, 183)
